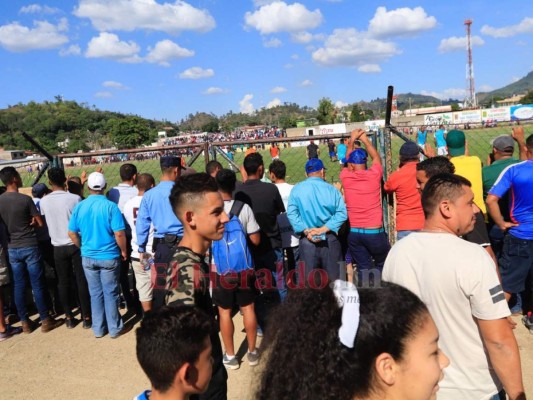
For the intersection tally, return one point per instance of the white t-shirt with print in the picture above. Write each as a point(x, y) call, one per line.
point(458, 281)
point(288, 239)
point(131, 208)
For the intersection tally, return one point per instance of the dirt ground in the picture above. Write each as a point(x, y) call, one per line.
point(72, 364)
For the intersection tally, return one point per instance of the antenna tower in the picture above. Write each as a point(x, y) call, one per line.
point(470, 98)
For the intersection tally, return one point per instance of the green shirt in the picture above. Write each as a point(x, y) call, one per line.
point(493, 171)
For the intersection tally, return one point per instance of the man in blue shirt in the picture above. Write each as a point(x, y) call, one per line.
point(516, 261)
point(421, 138)
point(155, 209)
point(317, 210)
point(440, 141)
point(100, 224)
point(341, 152)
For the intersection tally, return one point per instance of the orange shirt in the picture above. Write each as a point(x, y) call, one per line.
point(250, 151)
point(409, 212)
point(274, 151)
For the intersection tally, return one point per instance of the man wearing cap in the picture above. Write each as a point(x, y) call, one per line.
point(516, 260)
point(367, 242)
point(155, 210)
point(316, 211)
point(100, 224)
point(409, 213)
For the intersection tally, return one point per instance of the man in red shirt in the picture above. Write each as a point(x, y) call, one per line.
point(367, 242)
point(409, 213)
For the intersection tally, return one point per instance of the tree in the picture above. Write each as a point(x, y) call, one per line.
point(326, 111)
point(357, 115)
point(128, 132)
point(528, 98)
point(455, 107)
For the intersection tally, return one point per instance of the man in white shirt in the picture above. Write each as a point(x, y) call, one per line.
point(57, 208)
point(119, 195)
point(141, 268)
point(458, 282)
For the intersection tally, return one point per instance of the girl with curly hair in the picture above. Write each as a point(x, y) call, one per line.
point(344, 344)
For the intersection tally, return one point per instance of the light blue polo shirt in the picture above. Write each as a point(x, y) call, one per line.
point(96, 219)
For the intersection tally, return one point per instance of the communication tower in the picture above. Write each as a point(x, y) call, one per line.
point(470, 98)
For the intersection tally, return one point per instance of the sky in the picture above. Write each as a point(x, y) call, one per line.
point(166, 59)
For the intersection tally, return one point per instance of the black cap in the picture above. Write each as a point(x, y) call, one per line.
point(170, 161)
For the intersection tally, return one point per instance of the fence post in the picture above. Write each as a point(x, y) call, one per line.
point(206, 153)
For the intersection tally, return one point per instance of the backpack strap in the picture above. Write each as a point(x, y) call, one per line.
point(236, 208)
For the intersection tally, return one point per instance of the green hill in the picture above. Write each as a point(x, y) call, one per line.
point(521, 86)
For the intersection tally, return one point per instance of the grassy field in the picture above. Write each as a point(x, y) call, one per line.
point(479, 144)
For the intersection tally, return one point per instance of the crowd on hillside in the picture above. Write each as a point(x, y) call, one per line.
point(245, 135)
point(345, 314)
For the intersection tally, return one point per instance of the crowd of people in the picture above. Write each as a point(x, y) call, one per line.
point(310, 266)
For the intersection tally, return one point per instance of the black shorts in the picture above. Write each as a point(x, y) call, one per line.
point(235, 289)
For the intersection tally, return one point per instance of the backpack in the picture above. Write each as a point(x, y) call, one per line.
point(231, 253)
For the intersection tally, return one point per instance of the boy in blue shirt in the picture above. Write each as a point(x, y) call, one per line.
point(174, 351)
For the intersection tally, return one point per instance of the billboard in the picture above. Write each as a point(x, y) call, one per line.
point(438, 119)
point(522, 112)
point(496, 114)
point(467, 117)
point(332, 129)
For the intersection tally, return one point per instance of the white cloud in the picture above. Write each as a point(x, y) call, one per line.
point(114, 85)
point(260, 3)
point(307, 82)
point(340, 104)
point(274, 42)
point(524, 26)
point(455, 43)
point(281, 17)
point(43, 36)
point(278, 89)
point(273, 103)
point(348, 47)
point(214, 90)
point(288, 66)
point(197, 73)
point(246, 105)
point(129, 15)
point(108, 45)
point(452, 93)
point(400, 22)
point(38, 9)
point(369, 68)
point(306, 37)
point(166, 50)
point(72, 50)
point(103, 94)
point(295, 56)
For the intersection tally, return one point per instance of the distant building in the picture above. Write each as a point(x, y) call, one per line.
point(12, 154)
point(511, 101)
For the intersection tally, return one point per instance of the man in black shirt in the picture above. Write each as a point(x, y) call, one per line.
point(20, 216)
point(312, 150)
point(266, 203)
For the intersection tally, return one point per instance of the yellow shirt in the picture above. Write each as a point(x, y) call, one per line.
point(469, 167)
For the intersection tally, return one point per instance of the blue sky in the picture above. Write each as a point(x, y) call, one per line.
point(164, 59)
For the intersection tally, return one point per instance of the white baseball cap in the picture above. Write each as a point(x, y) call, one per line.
point(96, 181)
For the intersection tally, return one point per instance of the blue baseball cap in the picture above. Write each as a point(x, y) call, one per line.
point(314, 165)
point(358, 156)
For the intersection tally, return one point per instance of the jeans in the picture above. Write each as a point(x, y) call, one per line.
point(103, 280)
point(68, 262)
point(368, 251)
point(325, 255)
point(269, 265)
point(22, 260)
point(499, 396)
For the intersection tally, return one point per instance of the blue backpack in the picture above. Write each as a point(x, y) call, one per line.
point(231, 253)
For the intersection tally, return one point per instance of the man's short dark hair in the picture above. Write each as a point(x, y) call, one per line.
point(189, 189)
point(144, 182)
point(8, 175)
point(212, 166)
point(278, 168)
point(127, 172)
point(252, 162)
point(226, 180)
point(168, 338)
point(56, 176)
point(442, 187)
point(436, 165)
